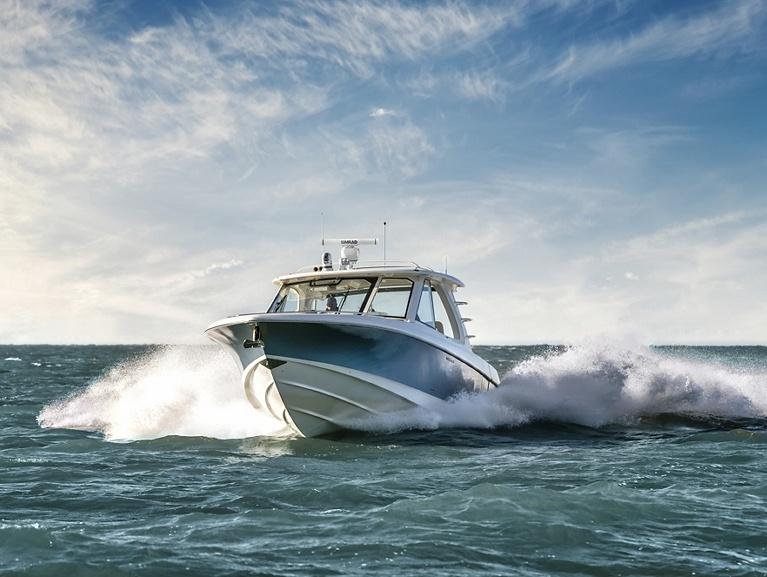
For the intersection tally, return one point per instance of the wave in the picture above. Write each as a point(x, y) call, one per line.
point(187, 391)
point(193, 391)
point(594, 385)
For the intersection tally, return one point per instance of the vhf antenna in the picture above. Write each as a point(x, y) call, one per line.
point(384, 243)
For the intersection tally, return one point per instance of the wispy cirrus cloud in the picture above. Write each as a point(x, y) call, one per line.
point(479, 86)
point(355, 36)
point(633, 147)
point(151, 176)
point(182, 90)
point(398, 147)
point(125, 140)
point(78, 105)
point(730, 28)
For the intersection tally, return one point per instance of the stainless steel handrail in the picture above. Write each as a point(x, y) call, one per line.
point(368, 264)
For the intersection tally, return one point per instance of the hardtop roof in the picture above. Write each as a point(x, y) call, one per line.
point(413, 271)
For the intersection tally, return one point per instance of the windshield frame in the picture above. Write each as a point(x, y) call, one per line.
point(317, 282)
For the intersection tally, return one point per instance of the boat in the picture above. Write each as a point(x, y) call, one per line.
point(343, 344)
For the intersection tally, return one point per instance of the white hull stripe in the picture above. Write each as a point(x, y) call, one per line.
point(413, 395)
point(317, 416)
point(329, 394)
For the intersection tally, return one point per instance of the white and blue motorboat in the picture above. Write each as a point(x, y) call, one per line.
point(340, 345)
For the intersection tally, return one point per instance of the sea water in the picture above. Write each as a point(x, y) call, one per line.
point(597, 459)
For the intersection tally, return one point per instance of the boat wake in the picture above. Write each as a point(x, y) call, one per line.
point(195, 391)
point(596, 385)
point(186, 391)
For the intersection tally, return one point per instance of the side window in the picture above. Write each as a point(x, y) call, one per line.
point(441, 317)
point(287, 301)
point(426, 306)
point(392, 297)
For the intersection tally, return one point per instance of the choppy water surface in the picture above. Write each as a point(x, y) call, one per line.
point(592, 460)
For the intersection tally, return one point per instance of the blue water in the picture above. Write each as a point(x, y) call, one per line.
point(593, 460)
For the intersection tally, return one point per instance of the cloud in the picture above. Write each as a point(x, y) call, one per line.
point(471, 85)
point(635, 146)
point(643, 246)
point(479, 86)
point(123, 153)
point(704, 266)
point(730, 28)
point(698, 285)
point(218, 266)
point(355, 36)
point(715, 87)
point(400, 149)
point(381, 112)
point(152, 178)
point(94, 105)
point(123, 106)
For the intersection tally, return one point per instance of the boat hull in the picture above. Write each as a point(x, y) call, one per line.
point(321, 377)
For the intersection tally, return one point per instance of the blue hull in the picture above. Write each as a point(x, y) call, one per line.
point(321, 377)
point(386, 354)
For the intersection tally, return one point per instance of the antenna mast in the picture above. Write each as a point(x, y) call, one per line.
point(384, 243)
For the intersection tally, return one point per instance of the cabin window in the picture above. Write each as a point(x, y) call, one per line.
point(426, 306)
point(441, 315)
point(391, 298)
point(433, 310)
point(331, 295)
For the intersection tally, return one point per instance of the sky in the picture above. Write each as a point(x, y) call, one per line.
point(590, 169)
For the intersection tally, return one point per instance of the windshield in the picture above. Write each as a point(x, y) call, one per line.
point(392, 298)
point(331, 295)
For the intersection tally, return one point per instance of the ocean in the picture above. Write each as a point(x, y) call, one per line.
point(597, 459)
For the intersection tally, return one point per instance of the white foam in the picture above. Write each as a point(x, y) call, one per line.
point(197, 392)
point(12, 359)
point(594, 385)
point(187, 391)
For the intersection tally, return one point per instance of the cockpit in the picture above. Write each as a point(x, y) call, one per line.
point(417, 298)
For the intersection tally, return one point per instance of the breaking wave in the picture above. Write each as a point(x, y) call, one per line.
point(188, 391)
point(194, 391)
